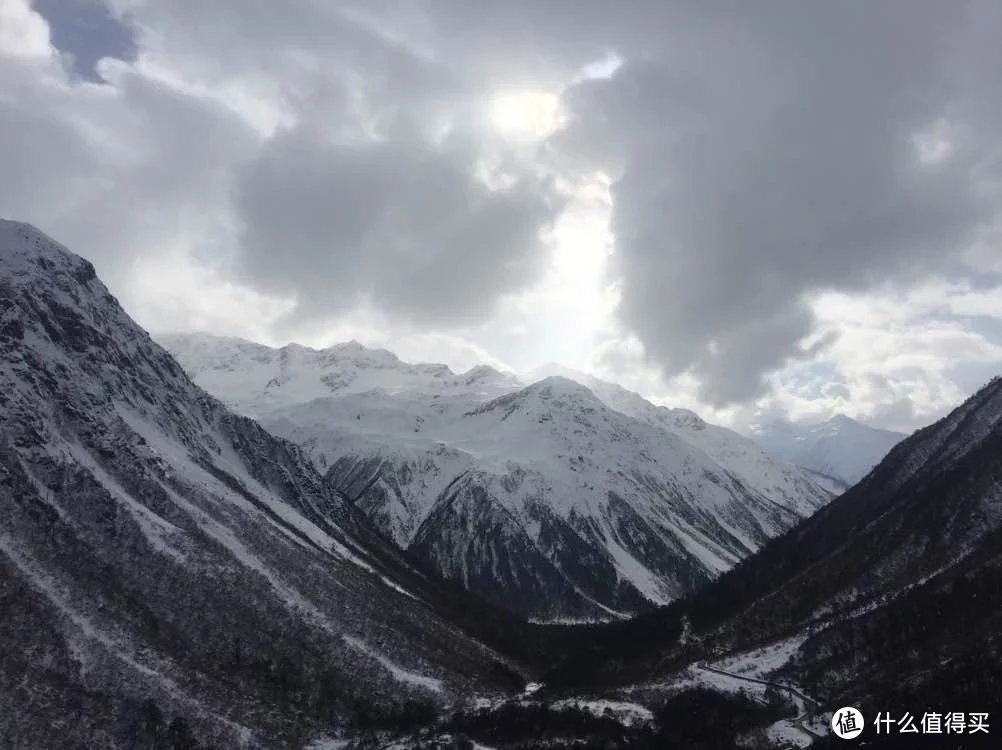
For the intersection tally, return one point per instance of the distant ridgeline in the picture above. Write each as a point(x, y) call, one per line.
point(560, 498)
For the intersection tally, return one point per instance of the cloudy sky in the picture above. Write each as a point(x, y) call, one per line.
point(751, 209)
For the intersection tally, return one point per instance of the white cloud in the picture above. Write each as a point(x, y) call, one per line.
point(457, 352)
point(582, 122)
point(898, 355)
point(23, 33)
point(169, 293)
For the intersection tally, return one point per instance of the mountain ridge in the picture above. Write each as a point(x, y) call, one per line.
point(888, 597)
point(171, 569)
point(547, 462)
point(840, 447)
point(180, 560)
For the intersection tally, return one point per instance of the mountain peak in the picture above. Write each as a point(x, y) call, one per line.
point(27, 232)
point(554, 390)
point(25, 250)
point(561, 392)
point(352, 345)
point(293, 346)
point(559, 385)
point(840, 447)
point(487, 375)
point(555, 369)
point(47, 289)
point(842, 419)
point(479, 371)
point(354, 349)
point(433, 457)
point(133, 502)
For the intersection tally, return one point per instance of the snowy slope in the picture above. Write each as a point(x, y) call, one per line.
point(158, 550)
point(551, 498)
point(896, 584)
point(840, 447)
point(890, 596)
point(559, 476)
point(616, 506)
point(741, 456)
point(367, 442)
point(257, 380)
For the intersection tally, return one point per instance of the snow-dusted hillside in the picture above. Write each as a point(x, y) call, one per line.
point(741, 456)
point(841, 447)
point(258, 380)
point(158, 550)
point(616, 507)
point(552, 498)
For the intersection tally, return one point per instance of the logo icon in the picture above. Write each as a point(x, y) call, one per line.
point(847, 723)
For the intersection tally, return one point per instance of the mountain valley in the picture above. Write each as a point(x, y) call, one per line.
point(174, 575)
point(564, 498)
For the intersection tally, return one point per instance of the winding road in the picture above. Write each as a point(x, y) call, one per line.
point(809, 706)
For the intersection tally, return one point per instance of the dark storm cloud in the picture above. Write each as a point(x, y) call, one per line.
point(758, 153)
point(403, 225)
point(86, 32)
point(310, 56)
point(360, 197)
point(760, 158)
point(34, 150)
point(122, 180)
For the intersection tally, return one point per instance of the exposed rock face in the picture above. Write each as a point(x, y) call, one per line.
point(887, 598)
point(556, 500)
point(167, 563)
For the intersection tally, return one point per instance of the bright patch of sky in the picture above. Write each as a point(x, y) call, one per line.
point(735, 218)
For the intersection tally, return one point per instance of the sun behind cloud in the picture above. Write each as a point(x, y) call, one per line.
point(525, 114)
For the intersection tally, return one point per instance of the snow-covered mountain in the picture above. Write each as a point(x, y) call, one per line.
point(258, 380)
point(180, 577)
point(561, 498)
point(168, 568)
point(841, 447)
point(887, 598)
point(741, 456)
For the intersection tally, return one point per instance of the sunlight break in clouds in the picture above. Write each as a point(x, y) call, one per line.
point(536, 184)
point(525, 114)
